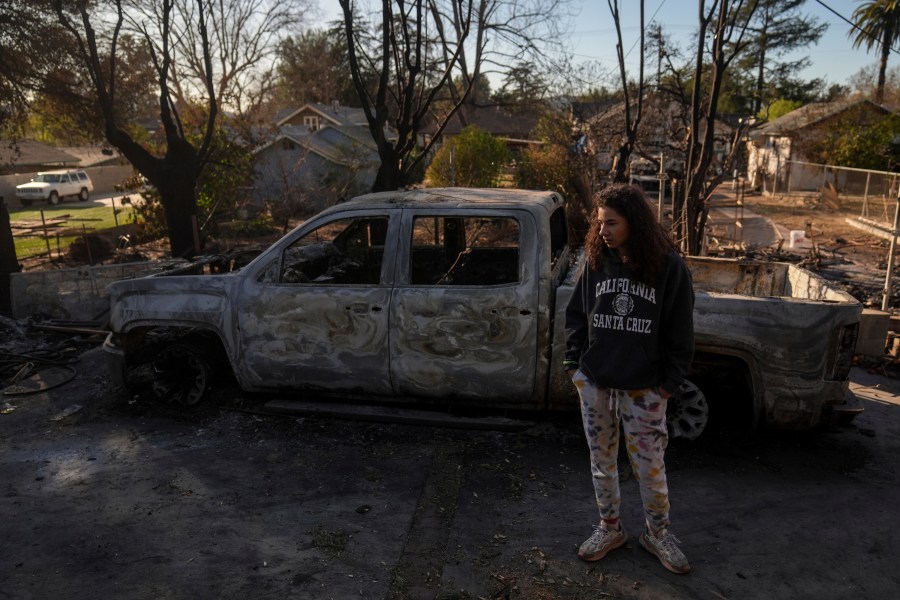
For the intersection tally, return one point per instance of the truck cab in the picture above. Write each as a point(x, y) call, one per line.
point(434, 295)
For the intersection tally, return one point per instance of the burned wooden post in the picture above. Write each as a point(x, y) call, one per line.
point(8, 262)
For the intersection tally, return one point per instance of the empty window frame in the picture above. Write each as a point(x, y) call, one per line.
point(347, 251)
point(464, 250)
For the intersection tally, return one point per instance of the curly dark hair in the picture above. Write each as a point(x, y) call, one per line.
point(648, 242)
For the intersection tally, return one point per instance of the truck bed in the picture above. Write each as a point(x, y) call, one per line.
point(761, 280)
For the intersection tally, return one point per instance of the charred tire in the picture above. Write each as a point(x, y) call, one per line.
point(182, 374)
point(53, 198)
point(83, 195)
point(687, 412)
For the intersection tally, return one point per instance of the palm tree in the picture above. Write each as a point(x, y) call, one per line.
point(877, 22)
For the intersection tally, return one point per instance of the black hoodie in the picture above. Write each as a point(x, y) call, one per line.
point(627, 335)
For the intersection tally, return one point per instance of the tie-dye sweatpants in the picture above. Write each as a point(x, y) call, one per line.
point(643, 417)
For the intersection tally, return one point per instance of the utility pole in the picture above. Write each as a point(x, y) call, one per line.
point(659, 55)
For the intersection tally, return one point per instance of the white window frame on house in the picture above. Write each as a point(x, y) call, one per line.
point(311, 122)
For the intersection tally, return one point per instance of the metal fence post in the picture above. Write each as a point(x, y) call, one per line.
point(886, 297)
point(865, 207)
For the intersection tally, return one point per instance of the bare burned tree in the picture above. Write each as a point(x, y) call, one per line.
point(205, 53)
point(633, 97)
point(724, 25)
point(175, 173)
point(416, 55)
point(243, 38)
point(506, 35)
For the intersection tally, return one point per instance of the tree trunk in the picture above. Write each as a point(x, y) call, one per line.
point(388, 177)
point(177, 191)
point(882, 63)
point(579, 208)
point(760, 76)
point(8, 262)
point(623, 153)
point(179, 202)
point(175, 177)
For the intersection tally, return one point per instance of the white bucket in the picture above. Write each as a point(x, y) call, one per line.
point(798, 236)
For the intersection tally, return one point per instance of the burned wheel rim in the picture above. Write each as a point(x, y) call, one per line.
point(687, 412)
point(181, 374)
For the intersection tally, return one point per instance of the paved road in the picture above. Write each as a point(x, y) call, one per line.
point(69, 203)
point(733, 223)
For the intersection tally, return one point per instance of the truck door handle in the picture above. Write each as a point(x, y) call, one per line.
point(507, 312)
point(362, 308)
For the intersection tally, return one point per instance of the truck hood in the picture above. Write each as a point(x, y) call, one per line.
point(41, 185)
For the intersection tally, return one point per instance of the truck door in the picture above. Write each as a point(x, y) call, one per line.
point(318, 316)
point(464, 311)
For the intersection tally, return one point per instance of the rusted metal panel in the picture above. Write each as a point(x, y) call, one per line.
point(790, 342)
point(471, 343)
point(190, 300)
point(745, 278)
point(476, 345)
point(314, 336)
point(562, 393)
point(804, 284)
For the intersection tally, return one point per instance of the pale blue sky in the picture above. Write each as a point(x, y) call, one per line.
point(833, 59)
point(591, 35)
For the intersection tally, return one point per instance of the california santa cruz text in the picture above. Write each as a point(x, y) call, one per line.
point(623, 304)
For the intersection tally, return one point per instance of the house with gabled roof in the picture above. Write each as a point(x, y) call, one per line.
point(315, 115)
point(776, 157)
point(514, 129)
point(662, 132)
point(322, 152)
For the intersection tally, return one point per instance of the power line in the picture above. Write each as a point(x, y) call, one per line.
point(653, 16)
point(854, 25)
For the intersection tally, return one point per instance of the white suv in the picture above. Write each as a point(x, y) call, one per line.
point(51, 186)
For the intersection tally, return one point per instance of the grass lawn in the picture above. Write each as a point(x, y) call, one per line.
point(62, 224)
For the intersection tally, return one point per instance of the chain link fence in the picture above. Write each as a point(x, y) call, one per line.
point(833, 187)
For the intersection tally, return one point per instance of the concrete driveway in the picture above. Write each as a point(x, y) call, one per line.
point(111, 496)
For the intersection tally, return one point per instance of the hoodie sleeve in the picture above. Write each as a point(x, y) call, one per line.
point(576, 322)
point(678, 325)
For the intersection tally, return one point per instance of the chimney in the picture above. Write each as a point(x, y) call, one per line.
point(335, 106)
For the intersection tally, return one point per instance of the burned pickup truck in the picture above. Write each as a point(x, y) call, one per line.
point(456, 296)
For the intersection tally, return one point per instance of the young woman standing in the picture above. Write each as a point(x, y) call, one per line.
point(630, 341)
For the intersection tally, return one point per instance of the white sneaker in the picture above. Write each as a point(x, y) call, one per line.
point(664, 546)
point(601, 542)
